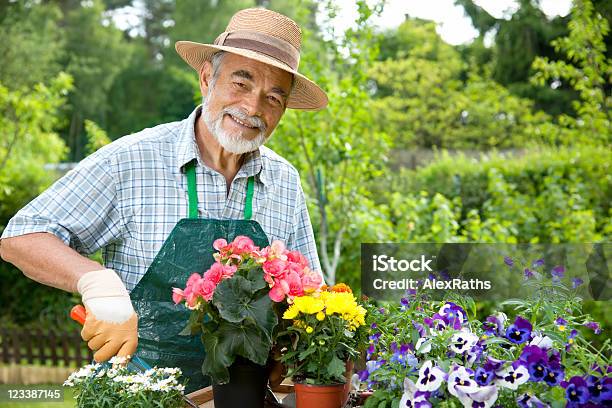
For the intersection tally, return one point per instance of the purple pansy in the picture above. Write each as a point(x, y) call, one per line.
point(519, 331)
point(570, 339)
point(536, 360)
point(557, 272)
point(576, 282)
point(559, 321)
point(494, 324)
point(453, 315)
point(537, 263)
point(600, 389)
point(404, 303)
point(593, 326)
point(528, 273)
point(577, 391)
point(530, 401)
point(370, 351)
point(508, 261)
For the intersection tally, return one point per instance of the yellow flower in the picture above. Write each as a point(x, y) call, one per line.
point(561, 328)
point(291, 313)
point(309, 329)
point(320, 316)
point(308, 304)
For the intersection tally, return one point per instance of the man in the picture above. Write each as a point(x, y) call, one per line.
point(155, 201)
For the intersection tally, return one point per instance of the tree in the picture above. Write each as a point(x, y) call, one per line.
point(32, 44)
point(424, 101)
point(517, 41)
point(95, 54)
point(29, 144)
point(588, 72)
point(338, 150)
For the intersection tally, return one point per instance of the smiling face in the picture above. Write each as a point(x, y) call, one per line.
point(244, 102)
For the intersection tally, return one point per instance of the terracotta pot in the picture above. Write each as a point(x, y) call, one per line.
point(325, 396)
point(319, 396)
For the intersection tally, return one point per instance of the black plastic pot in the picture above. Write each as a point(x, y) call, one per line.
point(246, 388)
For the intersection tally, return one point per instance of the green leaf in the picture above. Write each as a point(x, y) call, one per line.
point(237, 302)
point(336, 367)
point(255, 275)
point(232, 339)
point(217, 360)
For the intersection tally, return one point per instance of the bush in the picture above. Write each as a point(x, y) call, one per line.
point(547, 195)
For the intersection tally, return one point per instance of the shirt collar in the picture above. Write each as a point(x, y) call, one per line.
point(187, 150)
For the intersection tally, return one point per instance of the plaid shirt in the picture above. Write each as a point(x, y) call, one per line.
point(127, 197)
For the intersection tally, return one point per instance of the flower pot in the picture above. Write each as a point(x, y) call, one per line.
point(246, 388)
point(319, 396)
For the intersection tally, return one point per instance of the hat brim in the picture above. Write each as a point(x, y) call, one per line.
point(306, 95)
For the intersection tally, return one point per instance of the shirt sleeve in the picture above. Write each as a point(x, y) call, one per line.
point(80, 208)
point(302, 237)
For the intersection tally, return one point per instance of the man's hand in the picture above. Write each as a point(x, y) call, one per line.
point(111, 325)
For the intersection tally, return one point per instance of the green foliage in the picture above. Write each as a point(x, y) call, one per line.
point(28, 118)
point(337, 150)
point(424, 101)
point(588, 72)
point(32, 41)
point(95, 54)
point(551, 195)
point(96, 136)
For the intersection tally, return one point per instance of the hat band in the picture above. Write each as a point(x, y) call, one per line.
point(261, 43)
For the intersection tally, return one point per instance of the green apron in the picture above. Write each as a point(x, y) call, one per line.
point(188, 249)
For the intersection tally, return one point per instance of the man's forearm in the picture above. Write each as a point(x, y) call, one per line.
point(47, 259)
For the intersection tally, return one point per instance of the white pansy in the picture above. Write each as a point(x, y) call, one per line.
point(423, 345)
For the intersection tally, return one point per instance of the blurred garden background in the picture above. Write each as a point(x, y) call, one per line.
point(503, 139)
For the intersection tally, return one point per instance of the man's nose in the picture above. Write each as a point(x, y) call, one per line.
point(253, 104)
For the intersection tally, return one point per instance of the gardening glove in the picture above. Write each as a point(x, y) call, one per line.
point(111, 325)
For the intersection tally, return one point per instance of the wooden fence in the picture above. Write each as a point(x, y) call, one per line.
point(44, 347)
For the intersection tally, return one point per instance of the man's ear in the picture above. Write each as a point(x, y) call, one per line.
point(205, 77)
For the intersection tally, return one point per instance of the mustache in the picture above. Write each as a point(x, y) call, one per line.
point(253, 121)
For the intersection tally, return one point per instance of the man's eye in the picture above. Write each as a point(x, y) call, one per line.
point(240, 84)
point(274, 100)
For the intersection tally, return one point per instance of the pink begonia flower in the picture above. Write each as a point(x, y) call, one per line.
point(276, 268)
point(220, 244)
point(177, 295)
point(206, 289)
point(229, 271)
point(193, 279)
point(296, 257)
point(311, 280)
point(242, 245)
point(191, 298)
point(294, 283)
point(276, 250)
point(215, 273)
point(276, 293)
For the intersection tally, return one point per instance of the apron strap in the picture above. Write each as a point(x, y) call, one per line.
point(192, 190)
point(248, 204)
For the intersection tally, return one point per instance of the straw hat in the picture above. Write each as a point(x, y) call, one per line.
point(265, 36)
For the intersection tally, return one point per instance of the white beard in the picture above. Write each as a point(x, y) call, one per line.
point(233, 142)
